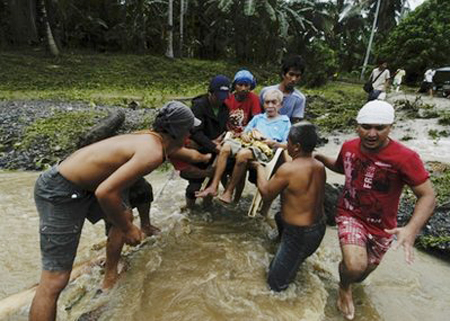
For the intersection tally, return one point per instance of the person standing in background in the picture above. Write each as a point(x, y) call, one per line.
point(380, 81)
point(398, 77)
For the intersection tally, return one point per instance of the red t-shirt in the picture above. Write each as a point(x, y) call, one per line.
point(374, 182)
point(179, 164)
point(241, 111)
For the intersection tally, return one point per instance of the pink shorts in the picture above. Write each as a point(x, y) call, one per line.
point(352, 231)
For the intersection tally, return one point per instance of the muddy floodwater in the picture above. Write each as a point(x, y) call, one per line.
point(210, 265)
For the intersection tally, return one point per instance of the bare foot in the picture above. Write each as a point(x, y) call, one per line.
point(209, 191)
point(111, 277)
point(109, 281)
point(226, 198)
point(345, 303)
point(150, 230)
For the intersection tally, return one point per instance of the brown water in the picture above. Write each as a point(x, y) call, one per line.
point(211, 265)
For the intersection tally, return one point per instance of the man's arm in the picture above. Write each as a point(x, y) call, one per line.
point(109, 192)
point(329, 163)
point(190, 155)
point(272, 188)
point(201, 139)
point(423, 209)
point(274, 144)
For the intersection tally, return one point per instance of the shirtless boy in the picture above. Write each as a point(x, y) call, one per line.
point(301, 183)
point(101, 172)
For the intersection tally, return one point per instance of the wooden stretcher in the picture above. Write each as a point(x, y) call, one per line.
point(257, 199)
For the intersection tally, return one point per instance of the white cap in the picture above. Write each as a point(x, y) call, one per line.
point(376, 112)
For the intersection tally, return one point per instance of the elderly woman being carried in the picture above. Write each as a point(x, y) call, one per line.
point(265, 133)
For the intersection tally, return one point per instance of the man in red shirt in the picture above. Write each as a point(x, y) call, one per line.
point(376, 168)
point(243, 104)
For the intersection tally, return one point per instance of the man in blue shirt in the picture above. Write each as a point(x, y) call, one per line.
point(294, 102)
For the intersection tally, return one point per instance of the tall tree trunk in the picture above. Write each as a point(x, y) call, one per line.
point(169, 51)
point(142, 27)
point(182, 11)
point(51, 43)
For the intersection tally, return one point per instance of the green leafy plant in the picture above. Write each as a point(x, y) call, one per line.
point(61, 131)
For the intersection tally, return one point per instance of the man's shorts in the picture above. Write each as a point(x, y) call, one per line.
point(352, 232)
point(62, 208)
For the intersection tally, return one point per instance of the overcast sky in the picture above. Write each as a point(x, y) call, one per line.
point(415, 3)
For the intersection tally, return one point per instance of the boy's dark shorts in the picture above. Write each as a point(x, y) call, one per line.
point(62, 208)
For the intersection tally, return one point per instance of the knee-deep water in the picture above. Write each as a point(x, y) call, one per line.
point(209, 264)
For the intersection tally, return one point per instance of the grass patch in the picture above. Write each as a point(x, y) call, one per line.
point(428, 241)
point(335, 105)
point(441, 184)
point(59, 132)
point(113, 79)
point(436, 134)
point(444, 119)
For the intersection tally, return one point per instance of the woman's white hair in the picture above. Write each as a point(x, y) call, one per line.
point(276, 93)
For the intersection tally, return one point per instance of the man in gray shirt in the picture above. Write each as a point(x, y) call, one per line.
point(294, 102)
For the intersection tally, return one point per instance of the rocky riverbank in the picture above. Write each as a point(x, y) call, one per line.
point(36, 134)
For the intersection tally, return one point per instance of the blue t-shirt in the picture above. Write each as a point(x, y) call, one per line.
point(293, 103)
point(275, 129)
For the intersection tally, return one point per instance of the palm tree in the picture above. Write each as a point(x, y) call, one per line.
point(270, 20)
point(383, 14)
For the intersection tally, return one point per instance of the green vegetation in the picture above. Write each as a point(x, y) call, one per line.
point(111, 78)
point(444, 119)
point(441, 183)
point(57, 134)
point(435, 134)
point(117, 79)
point(62, 130)
point(429, 241)
point(421, 40)
point(335, 105)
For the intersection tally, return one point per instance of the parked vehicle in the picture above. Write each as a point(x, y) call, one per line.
point(441, 81)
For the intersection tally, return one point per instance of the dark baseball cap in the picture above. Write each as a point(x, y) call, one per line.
point(176, 119)
point(220, 86)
